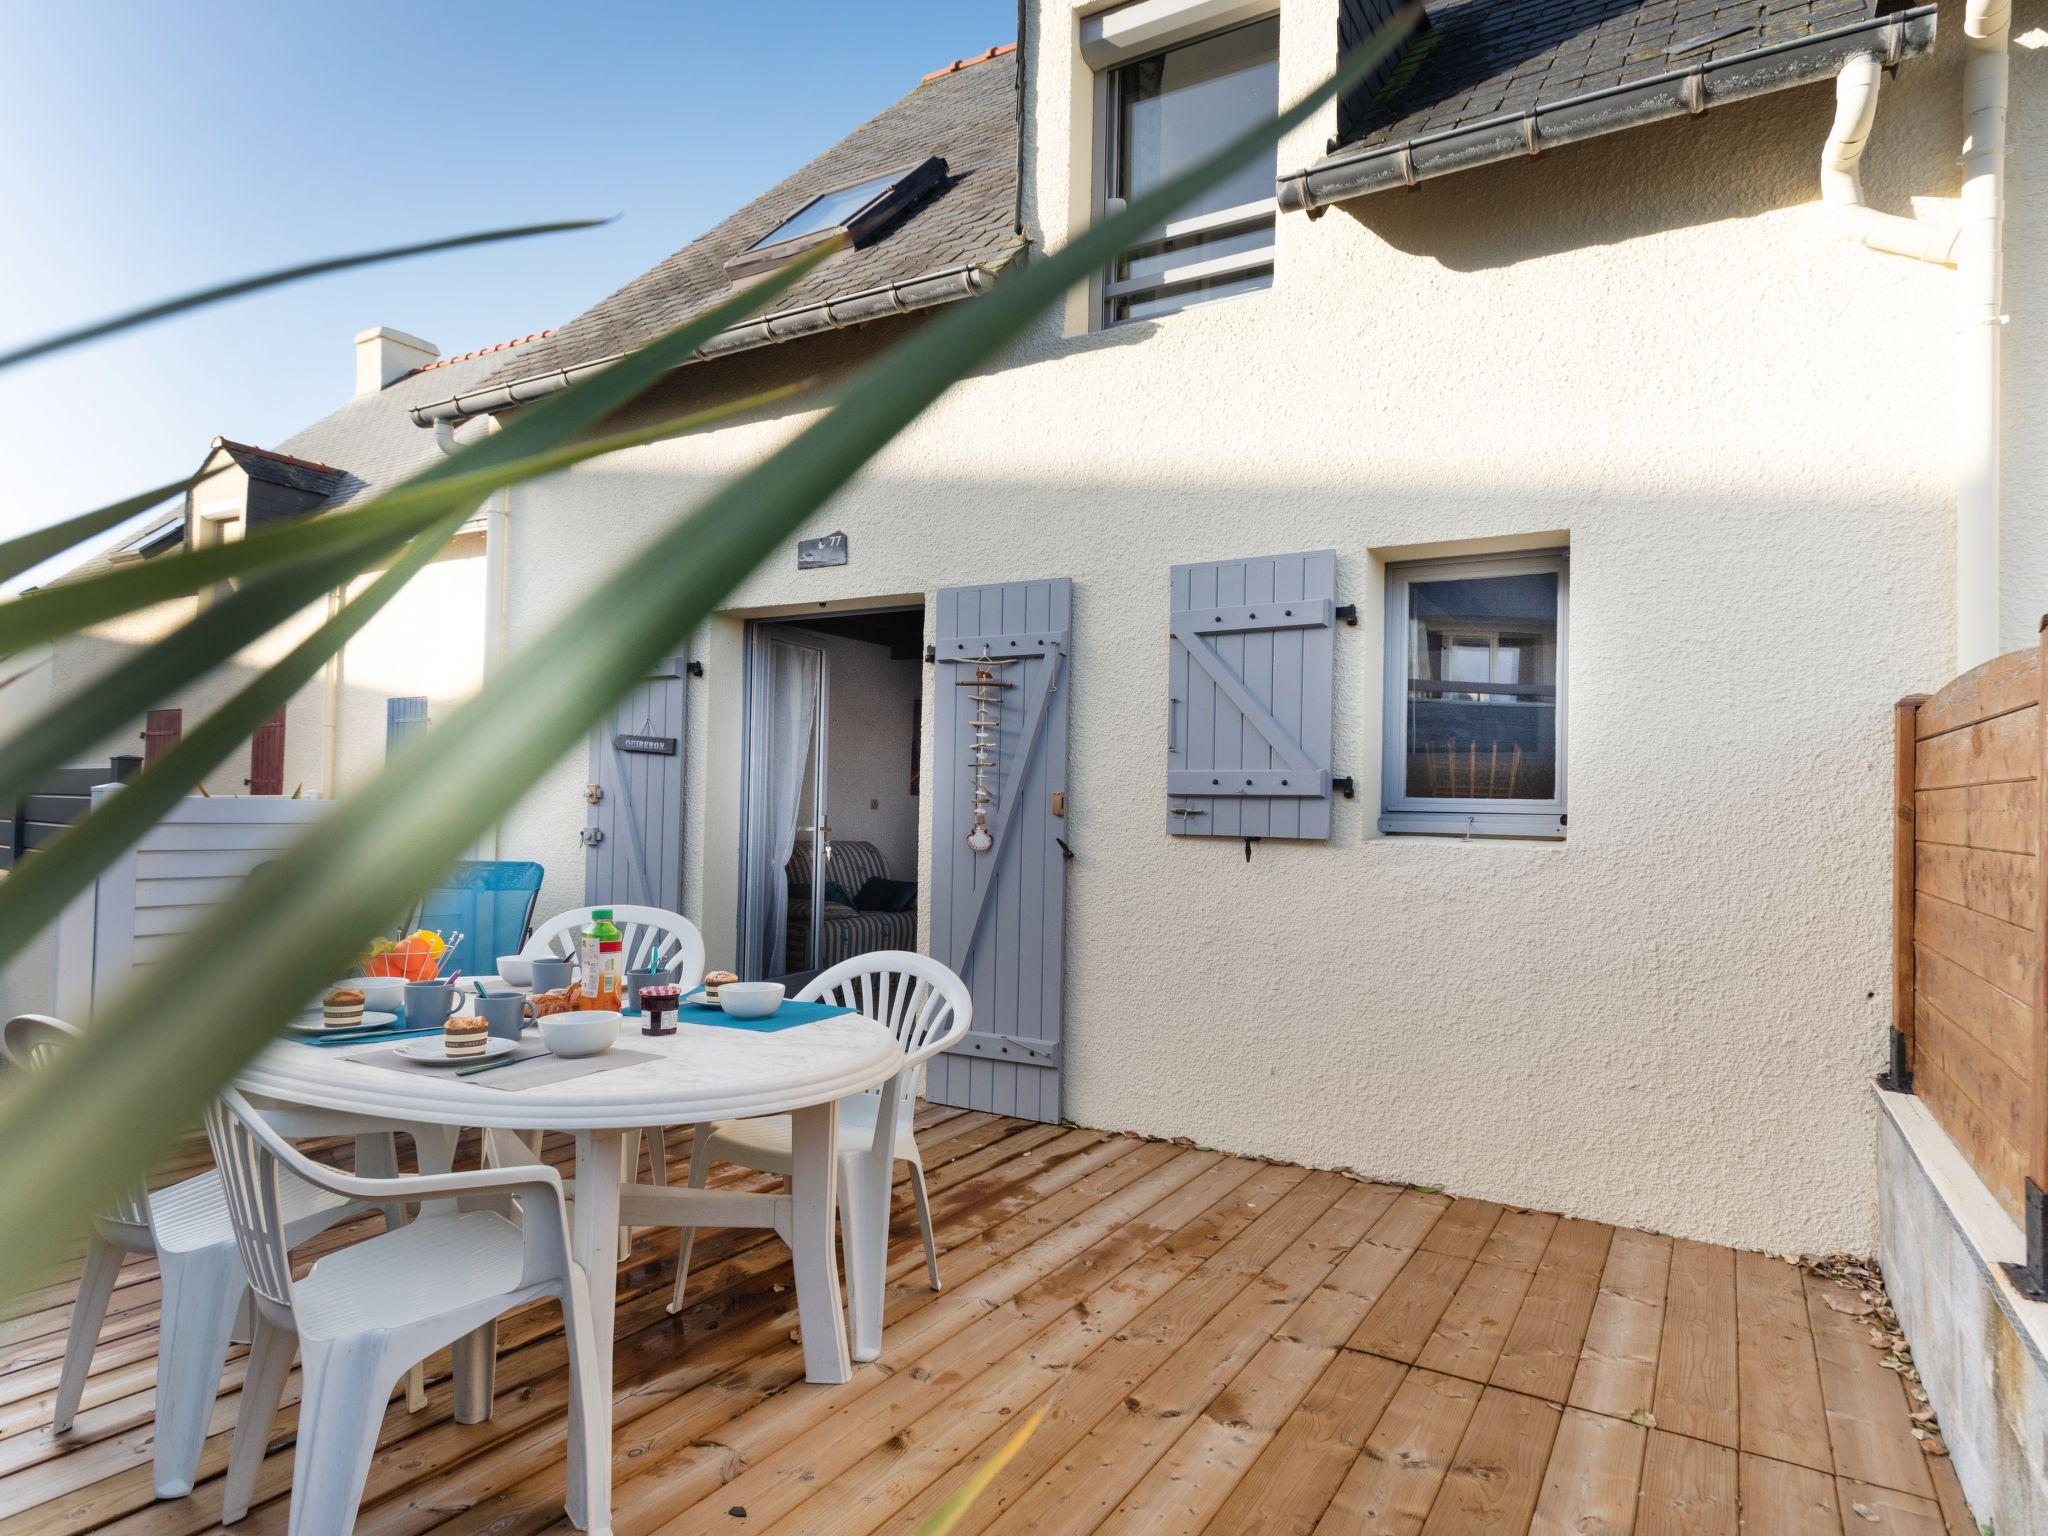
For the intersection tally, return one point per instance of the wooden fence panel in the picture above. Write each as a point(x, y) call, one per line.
point(1968, 916)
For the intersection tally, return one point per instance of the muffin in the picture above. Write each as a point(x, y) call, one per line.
point(342, 1008)
point(465, 1034)
point(713, 980)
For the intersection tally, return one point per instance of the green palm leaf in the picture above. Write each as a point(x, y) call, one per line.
point(72, 725)
point(146, 1066)
point(236, 289)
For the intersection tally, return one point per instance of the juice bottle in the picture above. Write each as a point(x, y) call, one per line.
point(601, 949)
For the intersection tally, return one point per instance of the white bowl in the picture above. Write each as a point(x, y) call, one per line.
point(583, 1032)
point(750, 999)
point(384, 994)
point(515, 970)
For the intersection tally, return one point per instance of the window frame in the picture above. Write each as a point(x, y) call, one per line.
point(1109, 198)
point(1404, 813)
point(906, 184)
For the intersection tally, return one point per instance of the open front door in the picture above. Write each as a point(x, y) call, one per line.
point(998, 915)
point(633, 825)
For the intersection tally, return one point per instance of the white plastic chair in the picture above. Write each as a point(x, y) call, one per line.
point(927, 1008)
point(366, 1313)
point(186, 1226)
point(655, 938)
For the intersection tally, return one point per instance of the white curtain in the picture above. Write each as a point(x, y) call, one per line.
point(789, 716)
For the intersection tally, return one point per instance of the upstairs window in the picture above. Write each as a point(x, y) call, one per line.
point(1475, 721)
point(856, 211)
point(1163, 114)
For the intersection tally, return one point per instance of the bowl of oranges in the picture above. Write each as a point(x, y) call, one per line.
point(416, 957)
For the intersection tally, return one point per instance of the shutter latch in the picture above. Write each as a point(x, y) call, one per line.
point(592, 836)
point(592, 793)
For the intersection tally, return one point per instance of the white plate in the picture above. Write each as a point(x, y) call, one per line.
point(433, 1050)
point(315, 1023)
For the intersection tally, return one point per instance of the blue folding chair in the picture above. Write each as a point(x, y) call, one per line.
point(490, 903)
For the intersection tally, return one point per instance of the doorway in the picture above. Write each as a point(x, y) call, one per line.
point(829, 819)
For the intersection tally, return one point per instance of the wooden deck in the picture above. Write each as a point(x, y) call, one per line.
point(1226, 1346)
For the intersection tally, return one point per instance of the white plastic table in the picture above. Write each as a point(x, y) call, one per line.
point(705, 1073)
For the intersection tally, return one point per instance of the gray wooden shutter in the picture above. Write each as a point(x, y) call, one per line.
point(633, 824)
point(999, 918)
point(404, 719)
point(1251, 684)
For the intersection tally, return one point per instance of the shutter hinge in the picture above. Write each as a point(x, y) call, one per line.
point(931, 655)
point(696, 669)
point(1347, 613)
point(1345, 787)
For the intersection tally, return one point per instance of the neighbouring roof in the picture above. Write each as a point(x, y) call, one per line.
point(1485, 76)
point(367, 444)
point(287, 470)
point(965, 113)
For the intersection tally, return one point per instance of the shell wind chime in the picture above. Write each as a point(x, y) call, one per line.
point(987, 699)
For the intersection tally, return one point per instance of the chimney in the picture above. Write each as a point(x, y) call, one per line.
point(384, 355)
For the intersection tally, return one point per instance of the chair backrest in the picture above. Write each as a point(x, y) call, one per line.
point(490, 903)
point(244, 1151)
point(28, 1042)
point(654, 938)
point(919, 1001)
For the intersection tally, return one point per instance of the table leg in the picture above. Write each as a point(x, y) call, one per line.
point(594, 1235)
point(814, 1173)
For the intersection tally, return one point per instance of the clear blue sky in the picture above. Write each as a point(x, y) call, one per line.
point(147, 148)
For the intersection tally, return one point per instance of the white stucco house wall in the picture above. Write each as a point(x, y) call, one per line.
point(1652, 349)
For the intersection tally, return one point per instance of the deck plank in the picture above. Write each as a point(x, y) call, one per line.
point(1394, 1481)
point(1617, 1372)
point(1541, 1355)
point(1591, 1484)
point(1778, 1380)
point(1689, 1488)
point(1866, 1404)
point(1497, 1475)
point(1696, 1372)
point(1780, 1499)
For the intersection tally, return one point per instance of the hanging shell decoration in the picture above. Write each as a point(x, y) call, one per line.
point(987, 699)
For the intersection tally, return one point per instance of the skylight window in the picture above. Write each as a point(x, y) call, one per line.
point(857, 212)
point(828, 212)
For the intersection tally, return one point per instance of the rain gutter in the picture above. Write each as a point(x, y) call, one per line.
point(927, 292)
point(1686, 92)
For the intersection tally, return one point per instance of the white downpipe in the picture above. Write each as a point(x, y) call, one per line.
point(1975, 248)
point(1980, 274)
point(497, 568)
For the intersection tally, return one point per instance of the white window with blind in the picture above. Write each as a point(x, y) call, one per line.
point(1161, 111)
point(1475, 702)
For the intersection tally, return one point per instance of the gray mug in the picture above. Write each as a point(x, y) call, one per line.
point(635, 980)
point(551, 975)
point(505, 1013)
point(428, 1004)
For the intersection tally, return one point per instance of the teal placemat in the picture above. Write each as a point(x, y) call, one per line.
point(788, 1016)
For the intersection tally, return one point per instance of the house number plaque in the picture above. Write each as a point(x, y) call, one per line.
point(817, 554)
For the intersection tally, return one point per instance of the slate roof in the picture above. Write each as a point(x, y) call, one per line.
point(1482, 58)
point(275, 468)
point(966, 113)
point(366, 444)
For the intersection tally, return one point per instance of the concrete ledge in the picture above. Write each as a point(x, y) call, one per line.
point(1982, 1349)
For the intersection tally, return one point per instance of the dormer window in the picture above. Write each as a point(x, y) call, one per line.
point(1164, 112)
point(857, 212)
